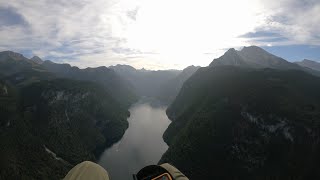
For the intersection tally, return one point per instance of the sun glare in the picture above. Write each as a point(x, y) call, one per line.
point(185, 31)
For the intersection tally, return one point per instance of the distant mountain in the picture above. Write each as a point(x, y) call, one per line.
point(238, 120)
point(170, 89)
point(309, 64)
point(126, 70)
point(11, 62)
point(9, 55)
point(253, 57)
point(37, 60)
point(145, 82)
point(114, 84)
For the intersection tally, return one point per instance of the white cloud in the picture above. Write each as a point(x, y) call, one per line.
point(295, 19)
point(154, 34)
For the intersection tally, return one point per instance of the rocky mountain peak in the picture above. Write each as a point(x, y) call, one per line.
point(309, 64)
point(37, 60)
point(253, 57)
point(231, 57)
point(12, 55)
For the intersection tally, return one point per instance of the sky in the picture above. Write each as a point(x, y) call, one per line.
point(158, 34)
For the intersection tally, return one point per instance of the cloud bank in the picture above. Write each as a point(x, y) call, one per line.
point(153, 34)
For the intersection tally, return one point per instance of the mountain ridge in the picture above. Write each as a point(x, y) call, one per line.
point(145, 82)
point(253, 57)
point(12, 63)
point(309, 64)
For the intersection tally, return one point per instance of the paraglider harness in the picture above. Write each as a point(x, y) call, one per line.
point(153, 172)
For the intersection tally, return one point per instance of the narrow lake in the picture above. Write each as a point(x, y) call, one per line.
point(142, 143)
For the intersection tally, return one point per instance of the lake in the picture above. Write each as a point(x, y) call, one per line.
point(142, 143)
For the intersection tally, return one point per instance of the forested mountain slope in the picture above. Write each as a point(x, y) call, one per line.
point(49, 124)
point(236, 122)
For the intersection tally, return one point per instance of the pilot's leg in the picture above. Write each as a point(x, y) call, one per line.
point(175, 173)
point(86, 171)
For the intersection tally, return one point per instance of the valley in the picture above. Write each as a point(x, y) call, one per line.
point(160, 90)
point(247, 115)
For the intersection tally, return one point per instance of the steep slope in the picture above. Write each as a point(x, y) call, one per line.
point(169, 90)
point(233, 123)
point(145, 82)
point(240, 119)
point(49, 126)
point(22, 156)
point(309, 64)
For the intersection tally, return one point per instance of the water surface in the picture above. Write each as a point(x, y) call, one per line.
point(142, 143)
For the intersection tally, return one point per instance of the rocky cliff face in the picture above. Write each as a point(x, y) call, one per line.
point(253, 57)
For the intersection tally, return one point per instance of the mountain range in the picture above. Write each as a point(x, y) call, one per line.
point(145, 82)
point(163, 85)
point(258, 58)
